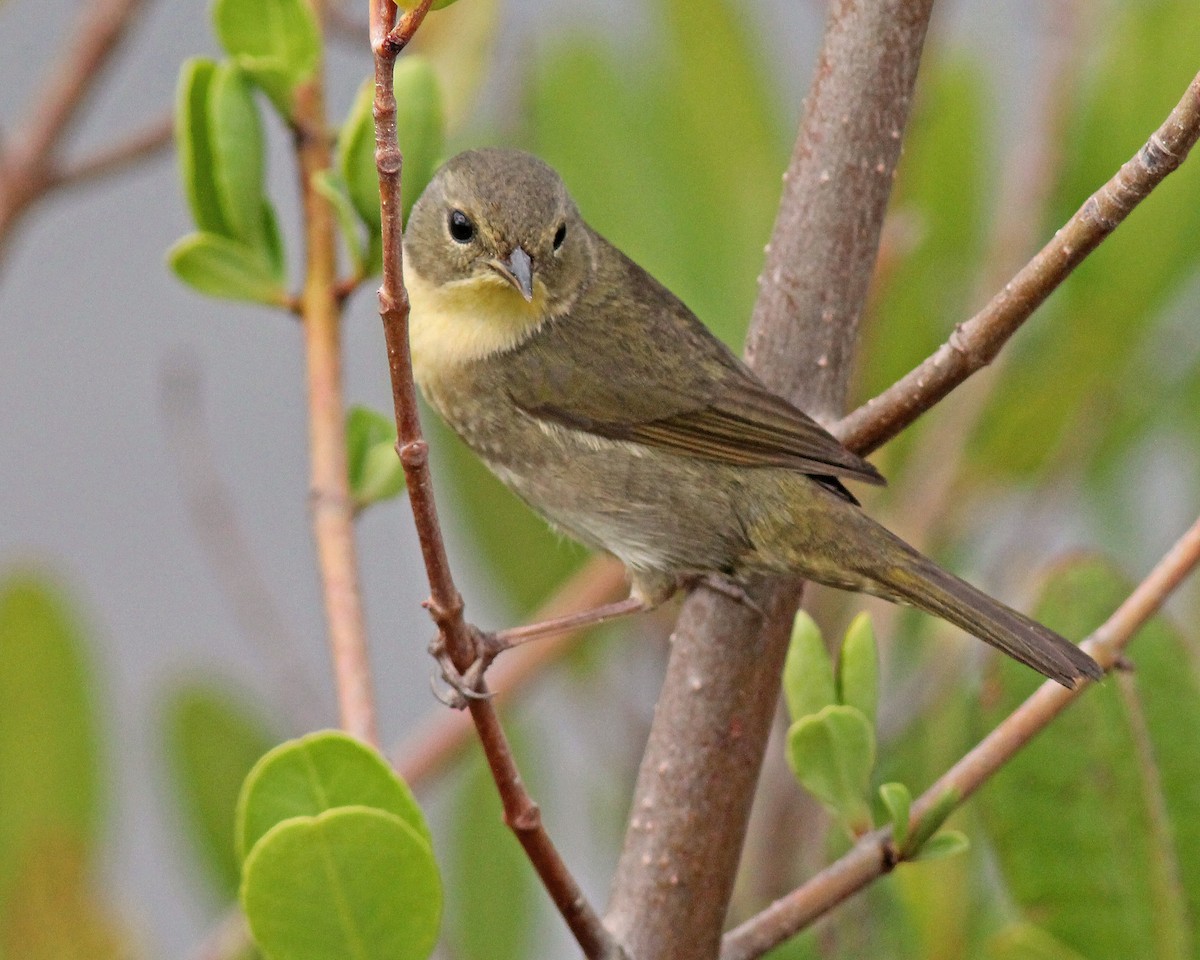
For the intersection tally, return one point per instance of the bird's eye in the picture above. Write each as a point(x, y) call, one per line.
point(560, 235)
point(461, 227)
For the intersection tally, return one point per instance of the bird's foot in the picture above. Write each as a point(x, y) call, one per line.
point(461, 686)
point(728, 588)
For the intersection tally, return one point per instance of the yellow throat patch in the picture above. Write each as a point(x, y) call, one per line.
point(465, 320)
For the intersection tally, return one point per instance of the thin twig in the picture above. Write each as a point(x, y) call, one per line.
point(114, 157)
point(975, 343)
point(331, 505)
point(873, 856)
point(445, 603)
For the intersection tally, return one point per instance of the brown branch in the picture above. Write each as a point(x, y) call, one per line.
point(27, 155)
point(873, 856)
point(114, 157)
point(332, 507)
point(975, 343)
point(445, 603)
point(436, 742)
point(102, 28)
point(697, 777)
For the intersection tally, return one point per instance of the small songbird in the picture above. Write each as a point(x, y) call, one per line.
point(598, 397)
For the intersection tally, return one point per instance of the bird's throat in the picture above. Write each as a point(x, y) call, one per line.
point(462, 321)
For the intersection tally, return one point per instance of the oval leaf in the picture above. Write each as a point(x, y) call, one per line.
point(898, 802)
point(858, 668)
point(276, 41)
point(49, 782)
point(319, 772)
point(222, 267)
point(420, 126)
point(808, 684)
point(942, 845)
point(355, 883)
point(236, 138)
point(832, 754)
point(193, 146)
point(375, 470)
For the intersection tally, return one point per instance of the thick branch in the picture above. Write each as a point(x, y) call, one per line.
point(701, 765)
point(975, 343)
point(331, 504)
point(445, 603)
point(871, 856)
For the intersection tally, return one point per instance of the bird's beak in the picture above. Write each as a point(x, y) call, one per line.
point(517, 270)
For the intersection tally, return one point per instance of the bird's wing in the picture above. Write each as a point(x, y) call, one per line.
point(676, 387)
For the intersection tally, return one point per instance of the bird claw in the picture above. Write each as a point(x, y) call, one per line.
point(465, 686)
point(731, 589)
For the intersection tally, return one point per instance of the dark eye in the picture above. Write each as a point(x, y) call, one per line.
point(461, 227)
point(560, 236)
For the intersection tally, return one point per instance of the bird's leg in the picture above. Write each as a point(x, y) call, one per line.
point(492, 644)
point(467, 685)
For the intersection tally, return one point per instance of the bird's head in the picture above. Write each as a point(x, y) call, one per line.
point(499, 225)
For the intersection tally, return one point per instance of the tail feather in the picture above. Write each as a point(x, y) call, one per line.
point(920, 582)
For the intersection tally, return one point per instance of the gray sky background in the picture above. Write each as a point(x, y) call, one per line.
point(90, 320)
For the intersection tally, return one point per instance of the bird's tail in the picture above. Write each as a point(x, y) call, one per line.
point(917, 580)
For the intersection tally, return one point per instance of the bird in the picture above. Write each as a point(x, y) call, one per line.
point(603, 402)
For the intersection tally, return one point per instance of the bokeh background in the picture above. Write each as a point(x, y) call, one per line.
point(124, 396)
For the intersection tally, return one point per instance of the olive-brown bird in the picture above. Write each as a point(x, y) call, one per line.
point(604, 403)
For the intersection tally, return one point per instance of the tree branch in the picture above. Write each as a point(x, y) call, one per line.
point(872, 856)
point(331, 505)
point(26, 157)
point(115, 156)
point(710, 728)
point(445, 603)
point(975, 343)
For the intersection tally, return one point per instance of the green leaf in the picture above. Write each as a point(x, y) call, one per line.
point(808, 683)
point(193, 145)
point(420, 128)
point(236, 143)
point(272, 243)
point(278, 42)
point(332, 187)
point(932, 821)
point(492, 891)
point(356, 156)
point(832, 754)
point(49, 770)
point(221, 267)
point(1024, 941)
point(319, 772)
point(948, 843)
point(353, 883)
point(1131, 885)
point(441, 4)
point(213, 741)
point(858, 668)
point(898, 802)
point(375, 470)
